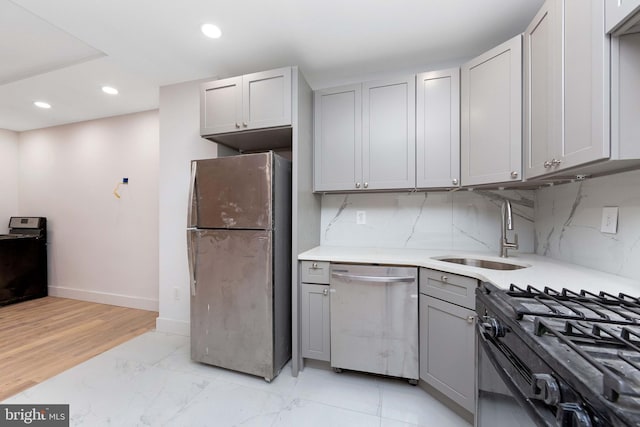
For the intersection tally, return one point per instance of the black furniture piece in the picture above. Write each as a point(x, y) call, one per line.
point(23, 260)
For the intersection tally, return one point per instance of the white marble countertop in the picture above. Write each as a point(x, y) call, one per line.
point(540, 272)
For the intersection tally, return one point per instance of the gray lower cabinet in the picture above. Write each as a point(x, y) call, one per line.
point(314, 310)
point(316, 338)
point(447, 336)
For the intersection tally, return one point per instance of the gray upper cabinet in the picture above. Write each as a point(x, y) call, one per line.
point(364, 136)
point(566, 91)
point(389, 134)
point(249, 102)
point(438, 129)
point(337, 149)
point(617, 13)
point(491, 116)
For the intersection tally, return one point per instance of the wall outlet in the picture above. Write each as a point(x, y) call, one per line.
point(609, 220)
point(361, 217)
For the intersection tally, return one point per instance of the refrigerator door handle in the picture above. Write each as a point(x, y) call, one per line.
point(192, 213)
point(191, 236)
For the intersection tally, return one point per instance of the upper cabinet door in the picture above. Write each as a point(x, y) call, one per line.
point(491, 114)
point(586, 84)
point(566, 87)
point(266, 99)
point(543, 89)
point(616, 13)
point(253, 101)
point(337, 138)
point(438, 129)
point(388, 134)
point(221, 106)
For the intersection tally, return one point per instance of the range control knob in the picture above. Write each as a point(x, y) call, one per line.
point(545, 388)
point(493, 327)
point(572, 415)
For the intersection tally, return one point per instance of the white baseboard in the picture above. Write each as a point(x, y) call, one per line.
point(104, 298)
point(172, 326)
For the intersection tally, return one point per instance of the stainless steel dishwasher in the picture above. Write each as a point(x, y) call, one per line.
point(374, 319)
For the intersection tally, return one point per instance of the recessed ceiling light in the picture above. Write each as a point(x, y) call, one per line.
point(110, 90)
point(211, 30)
point(42, 104)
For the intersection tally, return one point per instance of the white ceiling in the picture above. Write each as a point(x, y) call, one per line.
point(63, 51)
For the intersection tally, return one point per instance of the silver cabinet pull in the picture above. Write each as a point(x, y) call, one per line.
point(514, 174)
point(325, 292)
point(314, 265)
point(547, 164)
point(454, 181)
point(470, 319)
point(237, 125)
point(444, 278)
point(366, 185)
point(357, 185)
point(556, 162)
point(377, 279)
point(244, 124)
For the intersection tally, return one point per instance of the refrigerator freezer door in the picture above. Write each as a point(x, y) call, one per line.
point(233, 192)
point(231, 311)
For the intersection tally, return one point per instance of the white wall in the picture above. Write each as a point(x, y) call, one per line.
point(101, 248)
point(180, 142)
point(460, 220)
point(8, 177)
point(568, 219)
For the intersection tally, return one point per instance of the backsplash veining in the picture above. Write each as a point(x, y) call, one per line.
point(458, 220)
point(568, 219)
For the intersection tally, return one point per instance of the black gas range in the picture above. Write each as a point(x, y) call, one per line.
point(567, 358)
point(23, 260)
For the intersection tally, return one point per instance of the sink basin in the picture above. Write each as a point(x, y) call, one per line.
point(484, 263)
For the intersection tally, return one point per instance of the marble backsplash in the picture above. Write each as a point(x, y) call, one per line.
point(455, 220)
point(568, 219)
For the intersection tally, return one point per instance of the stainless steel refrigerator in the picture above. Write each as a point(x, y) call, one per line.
point(239, 249)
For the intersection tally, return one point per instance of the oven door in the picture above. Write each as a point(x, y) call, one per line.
point(500, 399)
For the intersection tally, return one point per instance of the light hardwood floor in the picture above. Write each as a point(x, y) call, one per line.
point(43, 337)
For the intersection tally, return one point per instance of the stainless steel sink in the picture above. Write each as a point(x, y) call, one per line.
point(484, 263)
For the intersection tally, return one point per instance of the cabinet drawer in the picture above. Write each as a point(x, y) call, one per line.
point(315, 271)
point(453, 288)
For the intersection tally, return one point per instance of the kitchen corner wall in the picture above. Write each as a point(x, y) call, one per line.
point(568, 219)
point(459, 220)
point(180, 142)
point(101, 248)
point(8, 177)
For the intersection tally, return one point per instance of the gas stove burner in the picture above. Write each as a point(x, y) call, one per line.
point(589, 343)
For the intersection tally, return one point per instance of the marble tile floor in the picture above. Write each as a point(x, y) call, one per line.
point(151, 381)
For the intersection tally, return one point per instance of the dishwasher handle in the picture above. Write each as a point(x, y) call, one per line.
point(376, 279)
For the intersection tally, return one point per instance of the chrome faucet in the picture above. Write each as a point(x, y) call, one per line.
point(506, 222)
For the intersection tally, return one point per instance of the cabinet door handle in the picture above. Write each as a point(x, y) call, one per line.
point(444, 278)
point(244, 124)
point(366, 185)
point(514, 174)
point(314, 265)
point(454, 181)
point(547, 164)
point(470, 319)
point(357, 185)
point(556, 162)
point(373, 279)
point(325, 292)
point(237, 125)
